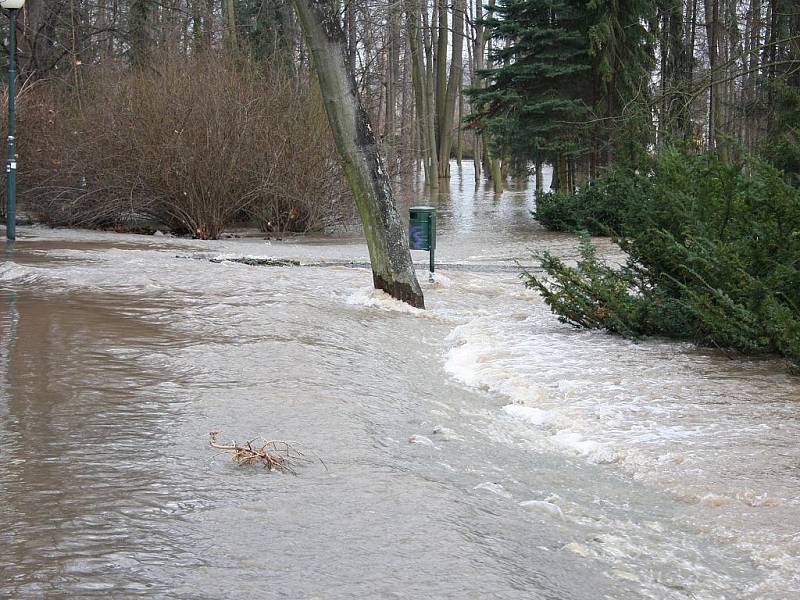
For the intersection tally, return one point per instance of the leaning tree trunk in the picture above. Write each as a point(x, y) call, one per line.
point(392, 269)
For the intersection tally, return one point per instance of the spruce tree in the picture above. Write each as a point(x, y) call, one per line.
point(621, 43)
point(570, 81)
point(268, 28)
point(535, 97)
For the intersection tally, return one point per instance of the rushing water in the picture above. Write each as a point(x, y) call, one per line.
point(477, 449)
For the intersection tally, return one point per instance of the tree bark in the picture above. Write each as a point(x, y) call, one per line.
point(392, 82)
point(478, 50)
point(460, 138)
point(392, 268)
point(138, 31)
point(445, 118)
point(440, 62)
point(539, 182)
point(491, 164)
point(230, 25)
point(208, 25)
point(418, 82)
point(420, 46)
point(716, 76)
point(429, 35)
point(352, 42)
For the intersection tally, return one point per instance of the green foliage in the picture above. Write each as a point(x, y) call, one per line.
point(714, 257)
point(568, 78)
point(783, 146)
point(266, 28)
point(533, 98)
point(598, 208)
point(621, 44)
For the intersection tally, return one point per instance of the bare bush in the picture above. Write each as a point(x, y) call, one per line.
point(194, 146)
point(305, 193)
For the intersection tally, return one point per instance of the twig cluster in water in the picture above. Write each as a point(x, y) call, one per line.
point(274, 455)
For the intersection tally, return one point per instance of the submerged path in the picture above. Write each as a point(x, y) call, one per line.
point(478, 449)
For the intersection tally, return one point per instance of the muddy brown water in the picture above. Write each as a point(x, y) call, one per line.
point(479, 449)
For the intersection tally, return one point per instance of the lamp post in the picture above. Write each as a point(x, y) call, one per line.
point(12, 6)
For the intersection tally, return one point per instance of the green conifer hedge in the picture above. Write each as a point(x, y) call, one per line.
point(713, 255)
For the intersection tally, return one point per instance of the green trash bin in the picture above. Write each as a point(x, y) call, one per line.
point(422, 230)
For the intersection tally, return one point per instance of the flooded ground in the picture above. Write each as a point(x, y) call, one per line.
point(477, 449)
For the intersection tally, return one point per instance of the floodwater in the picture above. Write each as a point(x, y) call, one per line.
point(479, 449)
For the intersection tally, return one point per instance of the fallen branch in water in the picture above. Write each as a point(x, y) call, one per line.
point(274, 455)
point(259, 262)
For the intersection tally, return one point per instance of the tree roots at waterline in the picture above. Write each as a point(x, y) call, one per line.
point(274, 455)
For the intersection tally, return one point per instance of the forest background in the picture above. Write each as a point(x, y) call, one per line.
point(132, 108)
point(671, 125)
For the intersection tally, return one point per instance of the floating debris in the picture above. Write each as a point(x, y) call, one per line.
point(254, 261)
point(274, 455)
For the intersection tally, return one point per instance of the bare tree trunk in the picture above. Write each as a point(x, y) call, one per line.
point(230, 25)
point(440, 62)
point(172, 29)
point(429, 35)
point(770, 57)
point(392, 82)
point(539, 182)
point(445, 118)
point(102, 24)
point(38, 21)
point(478, 49)
point(77, 54)
point(492, 164)
point(408, 121)
point(197, 24)
point(138, 30)
point(714, 90)
point(392, 268)
point(692, 37)
point(110, 40)
point(208, 25)
point(460, 139)
point(733, 49)
point(562, 173)
point(350, 19)
point(422, 82)
point(754, 41)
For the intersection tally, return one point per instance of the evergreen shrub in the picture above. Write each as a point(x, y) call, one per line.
point(599, 208)
point(713, 257)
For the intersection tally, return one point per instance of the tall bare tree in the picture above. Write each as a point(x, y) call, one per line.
point(392, 268)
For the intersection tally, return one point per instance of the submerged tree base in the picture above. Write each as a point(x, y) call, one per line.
point(400, 291)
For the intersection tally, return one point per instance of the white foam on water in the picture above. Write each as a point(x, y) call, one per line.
point(422, 441)
point(586, 395)
point(694, 426)
point(435, 281)
point(11, 272)
point(542, 507)
point(372, 298)
point(480, 358)
point(494, 488)
point(594, 451)
point(529, 415)
point(690, 423)
point(580, 549)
